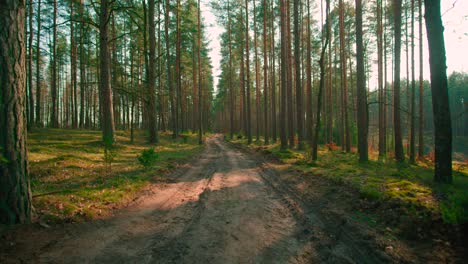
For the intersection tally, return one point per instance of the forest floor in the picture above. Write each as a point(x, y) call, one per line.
point(228, 205)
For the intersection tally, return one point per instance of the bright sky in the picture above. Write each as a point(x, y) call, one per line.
point(456, 40)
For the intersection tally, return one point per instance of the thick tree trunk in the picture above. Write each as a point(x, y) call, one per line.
point(362, 112)
point(382, 136)
point(15, 193)
point(439, 88)
point(107, 113)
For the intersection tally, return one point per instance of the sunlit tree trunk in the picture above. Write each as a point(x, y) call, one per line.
point(399, 155)
point(362, 112)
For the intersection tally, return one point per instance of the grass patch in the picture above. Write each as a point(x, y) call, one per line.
point(70, 179)
point(409, 185)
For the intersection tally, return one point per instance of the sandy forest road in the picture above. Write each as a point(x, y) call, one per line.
point(225, 207)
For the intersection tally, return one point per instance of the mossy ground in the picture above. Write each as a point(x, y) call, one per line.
point(412, 186)
point(71, 181)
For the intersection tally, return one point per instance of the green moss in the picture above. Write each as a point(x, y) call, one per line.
point(411, 185)
point(69, 177)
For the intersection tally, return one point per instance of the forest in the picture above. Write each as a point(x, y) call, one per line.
point(233, 131)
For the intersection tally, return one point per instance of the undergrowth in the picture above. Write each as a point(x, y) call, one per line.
point(71, 177)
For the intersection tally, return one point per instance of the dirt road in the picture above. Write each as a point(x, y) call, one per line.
point(224, 207)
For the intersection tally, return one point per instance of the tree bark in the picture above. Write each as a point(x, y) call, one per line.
point(298, 82)
point(265, 73)
point(399, 155)
point(362, 111)
point(15, 193)
point(344, 81)
point(247, 72)
point(152, 122)
point(30, 66)
point(421, 86)
point(54, 111)
point(322, 82)
point(439, 88)
point(107, 115)
point(38, 66)
point(283, 136)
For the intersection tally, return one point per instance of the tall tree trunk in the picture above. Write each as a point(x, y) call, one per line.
point(382, 136)
point(273, 76)
point(344, 81)
point(107, 117)
point(283, 110)
point(322, 82)
point(310, 120)
point(362, 112)
point(298, 82)
point(247, 71)
point(54, 112)
point(257, 78)
point(412, 156)
point(421, 85)
point(265, 73)
point(178, 71)
point(289, 78)
point(30, 67)
point(82, 67)
point(200, 80)
point(15, 192)
point(152, 122)
point(168, 65)
point(38, 66)
point(73, 51)
point(232, 103)
point(439, 88)
point(399, 155)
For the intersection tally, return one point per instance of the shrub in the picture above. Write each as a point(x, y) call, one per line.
point(148, 157)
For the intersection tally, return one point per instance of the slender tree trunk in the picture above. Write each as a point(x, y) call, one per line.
point(73, 51)
point(178, 71)
point(298, 82)
point(168, 65)
point(289, 78)
point(322, 82)
point(310, 120)
point(273, 77)
point(362, 115)
point(54, 112)
point(152, 122)
point(439, 87)
point(382, 150)
point(344, 81)
point(247, 71)
point(257, 78)
point(231, 88)
point(82, 67)
point(107, 123)
point(399, 155)
point(200, 80)
point(412, 156)
point(421, 85)
point(283, 136)
point(265, 72)
point(38, 66)
point(15, 192)
point(30, 66)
